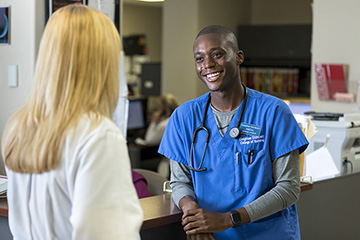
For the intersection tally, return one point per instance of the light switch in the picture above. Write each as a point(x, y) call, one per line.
point(13, 76)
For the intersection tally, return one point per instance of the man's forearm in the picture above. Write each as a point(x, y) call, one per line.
point(286, 174)
point(181, 182)
point(188, 202)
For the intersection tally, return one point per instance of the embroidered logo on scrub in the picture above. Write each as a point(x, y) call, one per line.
point(251, 140)
point(249, 129)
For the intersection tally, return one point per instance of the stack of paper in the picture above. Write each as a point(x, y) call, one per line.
point(320, 164)
point(309, 130)
point(3, 184)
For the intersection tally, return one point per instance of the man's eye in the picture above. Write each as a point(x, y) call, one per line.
point(198, 59)
point(217, 55)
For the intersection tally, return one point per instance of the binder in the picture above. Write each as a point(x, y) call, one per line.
point(330, 79)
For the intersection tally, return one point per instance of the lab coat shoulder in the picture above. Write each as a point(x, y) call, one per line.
point(100, 183)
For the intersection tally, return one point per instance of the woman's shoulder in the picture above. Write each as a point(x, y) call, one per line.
point(95, 127)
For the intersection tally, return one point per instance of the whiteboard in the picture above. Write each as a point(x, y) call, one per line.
point(105, 6)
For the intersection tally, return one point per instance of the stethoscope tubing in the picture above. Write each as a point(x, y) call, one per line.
point(233, 133)
point(202, 127)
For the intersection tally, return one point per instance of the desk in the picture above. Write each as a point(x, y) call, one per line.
point(158, 210)
point(332, 210)
point(4, 226)
point(161, 217)
point(144, 156)
point(3, 207)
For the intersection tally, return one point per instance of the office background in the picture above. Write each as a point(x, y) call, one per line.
point(335, 39)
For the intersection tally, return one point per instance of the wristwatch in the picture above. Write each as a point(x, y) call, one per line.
point(235, 218)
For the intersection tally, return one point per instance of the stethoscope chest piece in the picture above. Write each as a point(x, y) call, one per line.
point(234, 132)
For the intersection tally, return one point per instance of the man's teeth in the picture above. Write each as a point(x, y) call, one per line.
point(212, 75)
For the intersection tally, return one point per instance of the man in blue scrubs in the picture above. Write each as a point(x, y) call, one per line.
point(243, 183)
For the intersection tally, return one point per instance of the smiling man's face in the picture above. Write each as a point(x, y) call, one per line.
point(217, 62)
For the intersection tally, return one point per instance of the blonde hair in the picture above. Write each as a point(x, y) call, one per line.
point(76, 73)
point(169, 103)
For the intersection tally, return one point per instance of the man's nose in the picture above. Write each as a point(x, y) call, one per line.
point(209, 62)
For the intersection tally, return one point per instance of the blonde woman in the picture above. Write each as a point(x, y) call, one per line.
point(66, 161)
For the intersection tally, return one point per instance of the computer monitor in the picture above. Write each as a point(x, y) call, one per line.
point(136, 118)
point(299, 108)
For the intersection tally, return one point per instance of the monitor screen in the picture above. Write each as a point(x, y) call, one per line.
point(134, 45)
point(136, 117)
point(299, 108)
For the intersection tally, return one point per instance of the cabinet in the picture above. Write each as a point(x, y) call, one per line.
point(277, 58)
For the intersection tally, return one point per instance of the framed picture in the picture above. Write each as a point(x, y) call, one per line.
point(5, 25)
point(52, 5)
point(109, 7)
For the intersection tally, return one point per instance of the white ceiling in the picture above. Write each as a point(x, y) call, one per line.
point(148, 4)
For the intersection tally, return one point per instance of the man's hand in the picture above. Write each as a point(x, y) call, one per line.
point(188, 203)
point(199, 220)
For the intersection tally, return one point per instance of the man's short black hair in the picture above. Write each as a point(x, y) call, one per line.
point(221, 30)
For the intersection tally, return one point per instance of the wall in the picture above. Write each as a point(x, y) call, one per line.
point(22, 50)
point(140, 19)
point(179, 75)
point(180, 25)
point(281, 12)
point(336, 38)
point(181, 22)
point(234, 12)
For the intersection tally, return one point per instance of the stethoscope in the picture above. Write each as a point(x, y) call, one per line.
point(233, 133)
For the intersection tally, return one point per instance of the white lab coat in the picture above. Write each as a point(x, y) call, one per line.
point(121, 113)
point(90, 195)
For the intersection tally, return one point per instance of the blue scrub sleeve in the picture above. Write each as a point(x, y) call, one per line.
point(172, 144)
point(286, 133)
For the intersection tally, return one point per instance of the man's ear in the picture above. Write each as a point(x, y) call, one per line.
point(240, 57)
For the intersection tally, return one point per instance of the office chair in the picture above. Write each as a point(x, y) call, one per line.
point(155, 181)
point(163, 167)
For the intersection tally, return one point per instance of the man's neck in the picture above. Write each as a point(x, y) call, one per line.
point(226, 101)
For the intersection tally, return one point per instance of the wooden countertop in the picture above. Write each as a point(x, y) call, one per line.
point(306, 186)
point(158, 210)
point(3, 207)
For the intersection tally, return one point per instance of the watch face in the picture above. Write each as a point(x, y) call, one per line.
point(235, 218)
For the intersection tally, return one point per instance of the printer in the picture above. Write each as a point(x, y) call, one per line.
point(343, 143)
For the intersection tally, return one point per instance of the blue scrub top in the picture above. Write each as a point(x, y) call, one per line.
point(230, 181)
